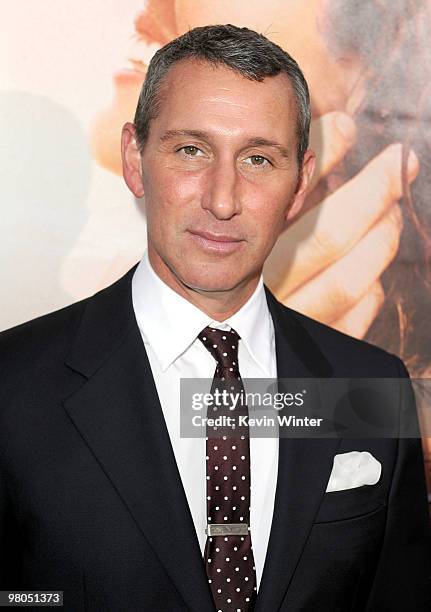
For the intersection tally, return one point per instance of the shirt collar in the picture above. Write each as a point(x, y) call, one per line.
point(170, 323)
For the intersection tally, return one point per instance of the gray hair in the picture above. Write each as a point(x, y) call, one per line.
point(250, 54)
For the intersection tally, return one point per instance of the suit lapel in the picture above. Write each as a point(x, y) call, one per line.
point(118, 414)
point(304, 464)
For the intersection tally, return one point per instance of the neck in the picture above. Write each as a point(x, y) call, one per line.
point(219, 305)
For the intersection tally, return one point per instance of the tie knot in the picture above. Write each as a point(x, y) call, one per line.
point(223, 346)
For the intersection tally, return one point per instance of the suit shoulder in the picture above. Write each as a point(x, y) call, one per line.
point(48, 334)
point(38, 348)
point(348, 355)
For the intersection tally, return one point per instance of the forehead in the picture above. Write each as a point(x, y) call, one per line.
point(199, 95)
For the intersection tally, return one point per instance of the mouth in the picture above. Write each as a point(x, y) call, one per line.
point(216, 243)
point(157, 22)
point(139, 56)
point(155, 26)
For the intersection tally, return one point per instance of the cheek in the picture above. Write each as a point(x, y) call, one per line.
point(170, 197)
point(269, 202)
point(266, 214)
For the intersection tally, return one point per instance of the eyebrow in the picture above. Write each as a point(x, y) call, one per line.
point(256, 141)
point(264, 142)
point(170, 134)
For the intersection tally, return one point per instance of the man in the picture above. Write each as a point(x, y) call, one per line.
point(100, 496)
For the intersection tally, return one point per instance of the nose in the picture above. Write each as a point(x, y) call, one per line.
point(222, 190)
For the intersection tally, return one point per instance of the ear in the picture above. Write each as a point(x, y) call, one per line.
point(304, 179)
point(132, 165)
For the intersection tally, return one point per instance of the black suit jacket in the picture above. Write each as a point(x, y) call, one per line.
point(91, 500)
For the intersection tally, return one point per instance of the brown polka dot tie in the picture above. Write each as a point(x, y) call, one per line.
point(228, 558)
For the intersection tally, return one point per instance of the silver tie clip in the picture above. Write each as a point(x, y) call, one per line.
point(227, 529)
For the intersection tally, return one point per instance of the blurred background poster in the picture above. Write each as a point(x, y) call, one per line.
point(358, 258)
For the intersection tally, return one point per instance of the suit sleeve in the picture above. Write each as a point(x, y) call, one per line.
point(403, 577)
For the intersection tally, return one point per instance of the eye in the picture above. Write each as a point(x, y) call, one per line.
point(257, 160)
point(191, 151)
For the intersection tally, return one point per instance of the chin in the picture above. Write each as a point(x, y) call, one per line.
point(207, 283)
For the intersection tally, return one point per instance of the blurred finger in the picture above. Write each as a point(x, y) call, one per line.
point(342, 285)
point(327, 232)
point(331, 136)
point(358, 319)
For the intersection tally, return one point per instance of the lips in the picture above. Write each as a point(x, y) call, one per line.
point(157, 23)
point(216, 237)
point(216, 243)
point(154, 26)
point(139, 55)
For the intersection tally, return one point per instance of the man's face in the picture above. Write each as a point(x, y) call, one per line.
point(219, 174)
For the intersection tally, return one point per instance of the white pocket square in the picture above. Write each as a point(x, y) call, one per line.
point(352, 470)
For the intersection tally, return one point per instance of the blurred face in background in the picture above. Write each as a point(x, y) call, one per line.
point(297, 26)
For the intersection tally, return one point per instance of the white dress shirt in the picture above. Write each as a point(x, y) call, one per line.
point(169, 325)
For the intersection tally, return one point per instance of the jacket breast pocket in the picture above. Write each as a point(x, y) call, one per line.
point(351, 503)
